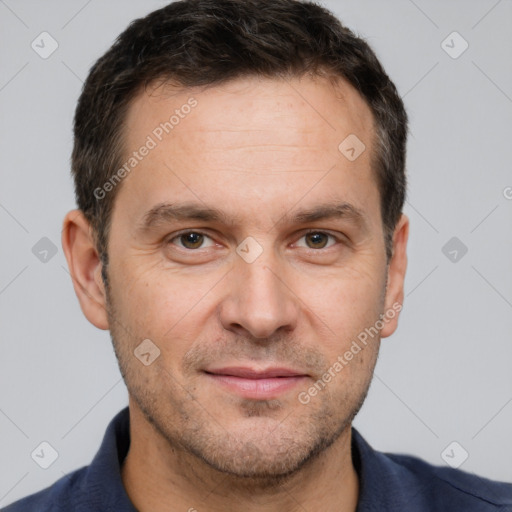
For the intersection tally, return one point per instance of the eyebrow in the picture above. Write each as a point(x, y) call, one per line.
point(165, 213)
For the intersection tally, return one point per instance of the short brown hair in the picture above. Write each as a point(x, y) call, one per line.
point(207, 42)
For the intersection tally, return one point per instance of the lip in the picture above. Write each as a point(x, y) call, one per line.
point(246, 372)
point(258, 384)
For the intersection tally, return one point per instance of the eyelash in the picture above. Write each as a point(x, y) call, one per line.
point(198, 232)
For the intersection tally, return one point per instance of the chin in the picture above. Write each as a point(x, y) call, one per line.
point(248, 461)
point(260, 450)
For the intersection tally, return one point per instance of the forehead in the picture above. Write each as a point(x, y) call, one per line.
point(271, 140)
point(282, 111)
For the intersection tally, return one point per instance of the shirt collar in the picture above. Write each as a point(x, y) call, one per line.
point(385, 485)
point(378, 475)
point(103, 483)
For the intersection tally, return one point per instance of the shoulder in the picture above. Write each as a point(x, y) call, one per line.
point(454, 489)
point(399, 482)
point(63, 495)
point(97, 486)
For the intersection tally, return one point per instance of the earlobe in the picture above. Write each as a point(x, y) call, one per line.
point(396, 277)
point(85, 267)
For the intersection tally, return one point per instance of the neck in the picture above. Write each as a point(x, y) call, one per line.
point(157, 476)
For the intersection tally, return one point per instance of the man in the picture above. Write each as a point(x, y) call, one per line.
point(239, 170)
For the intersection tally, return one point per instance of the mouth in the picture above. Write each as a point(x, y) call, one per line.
point(256, 384)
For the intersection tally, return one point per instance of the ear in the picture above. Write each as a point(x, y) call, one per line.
point(85, 267)
point(396, 276)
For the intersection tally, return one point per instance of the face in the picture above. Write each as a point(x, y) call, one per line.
point(250, 251)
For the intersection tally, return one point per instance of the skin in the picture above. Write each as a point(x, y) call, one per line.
point(257, 150)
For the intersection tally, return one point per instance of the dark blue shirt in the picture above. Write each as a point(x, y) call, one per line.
point(388, 482)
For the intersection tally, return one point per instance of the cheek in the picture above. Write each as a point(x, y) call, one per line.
point(162, 305)
point(346, 303)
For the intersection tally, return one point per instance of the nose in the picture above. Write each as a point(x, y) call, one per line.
point(260, 300)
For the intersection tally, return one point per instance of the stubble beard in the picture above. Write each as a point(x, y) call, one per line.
point(251, 458)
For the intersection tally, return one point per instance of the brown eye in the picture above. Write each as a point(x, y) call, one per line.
point(317, 239)
point(190, 240)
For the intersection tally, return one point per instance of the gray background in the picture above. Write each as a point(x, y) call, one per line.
point(446, 373)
